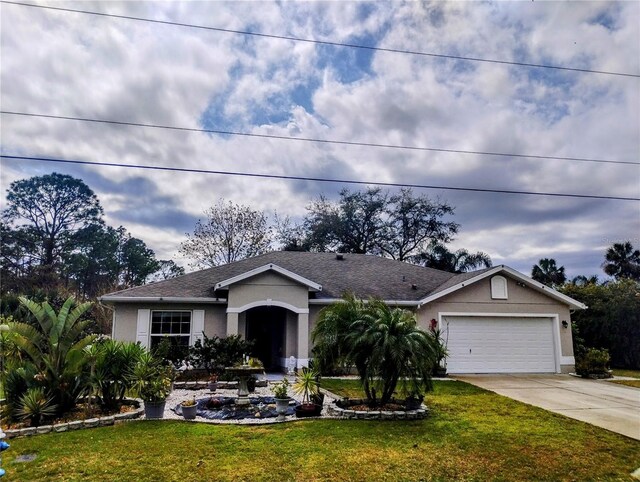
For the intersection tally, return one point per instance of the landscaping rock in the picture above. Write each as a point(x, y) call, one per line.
point(12, 433)
point(104, 421)
point(44, 429)
point(91, 423)
point(28, 431)
point(60, 427)
point(75, 425)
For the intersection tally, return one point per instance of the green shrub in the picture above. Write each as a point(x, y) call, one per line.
point(112, 364)
point(214, 354)
point(594, 362)
point(151, 378)
point(171, 352)
point(35, 405)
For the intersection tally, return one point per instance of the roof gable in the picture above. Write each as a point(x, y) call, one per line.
point(312, 285)
point(465, 279)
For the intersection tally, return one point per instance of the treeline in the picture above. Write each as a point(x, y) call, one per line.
point(54, 239)
point(401, 226)
point(612, 320)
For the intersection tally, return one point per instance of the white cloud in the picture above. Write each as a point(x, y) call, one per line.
point(71, 64)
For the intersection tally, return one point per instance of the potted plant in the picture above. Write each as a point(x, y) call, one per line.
point(414, 400)
point(189, 408)
point(152, 382)
point(212, 382)
point(282, 397)
point(306, 384)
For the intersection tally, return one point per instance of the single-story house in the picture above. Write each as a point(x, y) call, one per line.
point(494, 320)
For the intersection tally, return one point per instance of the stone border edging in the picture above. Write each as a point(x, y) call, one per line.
point(200, 385)
point(79, 424)
point(345, 413)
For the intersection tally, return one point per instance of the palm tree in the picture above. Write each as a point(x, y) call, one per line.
point(387, 345)
point(548, 273)
point(330, 334)
point(582, 280)
point(460, 261)
point(56, 348)
point(622, 261)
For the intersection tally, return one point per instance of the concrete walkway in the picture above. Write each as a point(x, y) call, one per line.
point(607, 405)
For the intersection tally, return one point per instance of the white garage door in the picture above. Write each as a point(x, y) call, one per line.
point(499, 344)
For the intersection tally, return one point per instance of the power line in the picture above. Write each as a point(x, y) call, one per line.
point(324, 42)
point(314, 179)
point(321, 141)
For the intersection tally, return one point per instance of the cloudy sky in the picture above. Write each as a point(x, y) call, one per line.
point(71, 64)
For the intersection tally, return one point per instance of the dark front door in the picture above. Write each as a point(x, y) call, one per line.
point(266, 328)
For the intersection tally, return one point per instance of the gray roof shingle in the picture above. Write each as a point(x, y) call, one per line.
point(364, 275)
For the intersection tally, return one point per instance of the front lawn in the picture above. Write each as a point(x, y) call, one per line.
point(627, 373)
point(470, 434)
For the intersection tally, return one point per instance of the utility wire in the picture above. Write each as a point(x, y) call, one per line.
point(310, 139)
point(324, 42)
point(314, 179)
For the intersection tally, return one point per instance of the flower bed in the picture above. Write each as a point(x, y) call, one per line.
point(65, 426)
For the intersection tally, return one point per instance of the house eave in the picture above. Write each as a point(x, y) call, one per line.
point(161, 299)
point(330, 301)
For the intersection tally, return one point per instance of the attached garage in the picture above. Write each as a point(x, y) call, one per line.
point(501, 343)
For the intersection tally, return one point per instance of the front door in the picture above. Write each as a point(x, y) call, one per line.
point(266, 328)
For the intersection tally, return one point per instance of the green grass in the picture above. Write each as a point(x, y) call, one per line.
point(472, 434)
point(626, 373)
point(628, 383)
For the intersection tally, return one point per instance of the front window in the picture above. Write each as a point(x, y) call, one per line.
point(173, 324)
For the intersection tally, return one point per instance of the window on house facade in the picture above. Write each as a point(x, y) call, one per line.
point(173, 324)
point(499, 288)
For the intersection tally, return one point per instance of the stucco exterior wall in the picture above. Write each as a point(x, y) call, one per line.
point(126, 316)
point(476, 298)
point(268, 286)
point(291, 334)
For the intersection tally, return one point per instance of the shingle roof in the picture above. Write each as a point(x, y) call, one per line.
point(364, 275)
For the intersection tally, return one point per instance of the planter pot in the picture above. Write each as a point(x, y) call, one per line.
point(413, 403)
point(282, 404)
point(212, 386)
point(154, 410)
point(189, 412)
point(308, 410)
point(440, 372)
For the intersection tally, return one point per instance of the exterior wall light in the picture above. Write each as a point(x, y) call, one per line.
point(565, 324)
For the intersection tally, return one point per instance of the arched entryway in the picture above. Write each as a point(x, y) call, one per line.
point(266, 326)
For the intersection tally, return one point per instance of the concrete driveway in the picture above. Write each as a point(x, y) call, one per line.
point(604, 404)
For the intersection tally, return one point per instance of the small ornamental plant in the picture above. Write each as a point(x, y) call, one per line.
point(189, 402)
point(280, 389)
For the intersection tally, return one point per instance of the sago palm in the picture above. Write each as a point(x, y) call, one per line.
point(330, 334)
point(387, 346)
point(56, 348)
